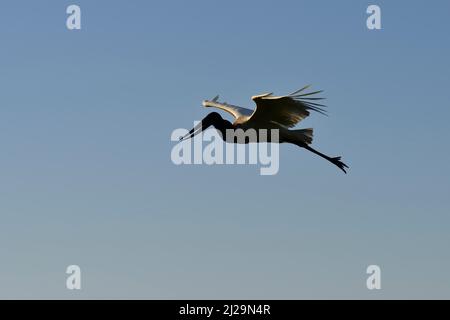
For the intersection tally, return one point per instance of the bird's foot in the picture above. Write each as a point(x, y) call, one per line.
point(337, 162)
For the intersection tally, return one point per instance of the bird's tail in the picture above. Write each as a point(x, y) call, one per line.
point(302, 135)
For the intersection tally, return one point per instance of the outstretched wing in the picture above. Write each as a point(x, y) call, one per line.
point(288, 110)
point(236, 112)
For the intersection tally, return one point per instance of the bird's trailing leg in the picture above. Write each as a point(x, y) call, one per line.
point(213, 119)
point(334, 160)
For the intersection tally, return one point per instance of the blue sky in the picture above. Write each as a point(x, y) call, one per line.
point(85, 124)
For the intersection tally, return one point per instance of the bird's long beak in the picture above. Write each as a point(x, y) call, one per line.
point(194, 131)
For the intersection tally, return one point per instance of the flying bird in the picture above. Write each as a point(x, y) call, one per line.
point(272, 112)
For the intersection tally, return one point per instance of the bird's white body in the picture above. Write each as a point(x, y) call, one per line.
point(273, 112)
point(241, 115)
